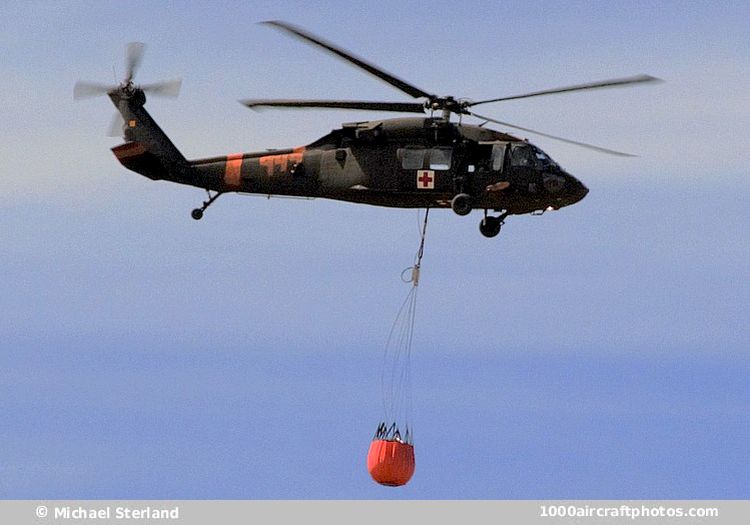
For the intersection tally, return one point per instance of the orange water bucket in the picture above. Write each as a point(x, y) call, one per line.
point(390, 462)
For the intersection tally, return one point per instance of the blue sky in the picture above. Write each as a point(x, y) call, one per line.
point(596, 352)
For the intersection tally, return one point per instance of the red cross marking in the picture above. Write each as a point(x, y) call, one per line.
point(425, 179)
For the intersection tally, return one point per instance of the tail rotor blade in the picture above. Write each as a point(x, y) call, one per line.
point(170, 88)
point(133, 59)
point(90, 89)
point(116, 126)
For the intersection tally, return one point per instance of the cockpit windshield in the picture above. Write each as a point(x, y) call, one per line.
point(528, 155)
point(542, 158)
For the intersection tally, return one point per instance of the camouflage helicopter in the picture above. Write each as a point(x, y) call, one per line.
point(426, 162)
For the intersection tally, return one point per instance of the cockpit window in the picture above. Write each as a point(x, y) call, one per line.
point(412, 158)
point(522, 155)
point(440, 158)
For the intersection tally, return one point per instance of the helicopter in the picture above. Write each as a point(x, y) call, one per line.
point(431, 161)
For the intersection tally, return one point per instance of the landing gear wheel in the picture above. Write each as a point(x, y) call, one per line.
point(197, 213)
point(490, 226)
point(461, 204)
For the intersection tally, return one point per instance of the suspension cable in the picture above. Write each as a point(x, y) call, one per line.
point(396, 373)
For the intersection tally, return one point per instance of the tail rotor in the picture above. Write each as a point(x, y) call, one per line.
point(133, 58)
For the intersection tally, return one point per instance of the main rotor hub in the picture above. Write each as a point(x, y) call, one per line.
point(444, 103)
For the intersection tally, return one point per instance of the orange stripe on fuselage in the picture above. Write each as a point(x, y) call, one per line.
point(233, 170)
point(278, 164)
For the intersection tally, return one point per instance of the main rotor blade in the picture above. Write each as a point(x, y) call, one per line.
point(90, 89)
point(133, 58)
point(615, 82)
point(169, 88)
point(576, 143)
point(349, 57)
point(407, 107)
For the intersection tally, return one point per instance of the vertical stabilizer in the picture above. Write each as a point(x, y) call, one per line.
point(147, 150)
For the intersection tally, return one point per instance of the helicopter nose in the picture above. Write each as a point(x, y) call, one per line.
point(584, 190)
point(579, 190)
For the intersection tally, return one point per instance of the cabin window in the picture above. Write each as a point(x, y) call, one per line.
point(440, 158)
point(412, 158)
point(498, 156)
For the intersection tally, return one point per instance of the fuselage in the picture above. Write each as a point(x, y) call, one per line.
point(404, 162)
point(407, 163)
